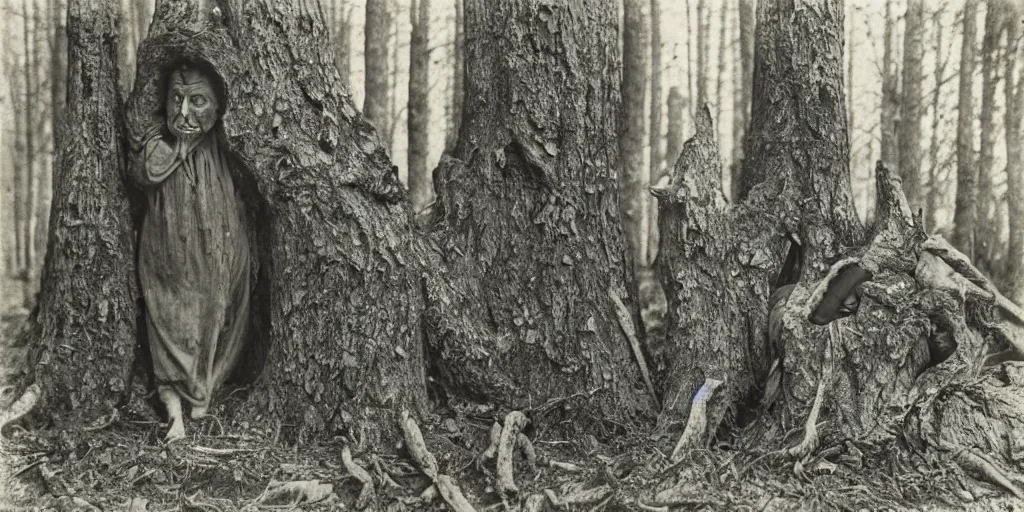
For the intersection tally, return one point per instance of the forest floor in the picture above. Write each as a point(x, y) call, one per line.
point(123, 464)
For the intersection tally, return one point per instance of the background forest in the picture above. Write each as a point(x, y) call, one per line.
point(903, 90)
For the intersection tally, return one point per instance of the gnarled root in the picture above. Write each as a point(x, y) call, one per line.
point(368, 493)
point(981, 466)
point(514, 423)
point(697, 423)
point(20, 407)
point(811, 440)
point(445, 485)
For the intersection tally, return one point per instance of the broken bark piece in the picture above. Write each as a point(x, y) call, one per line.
point(697, 424)
point(564, 466)
point(368, 493)
point(514, 423)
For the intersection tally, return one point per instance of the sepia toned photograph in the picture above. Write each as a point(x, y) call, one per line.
point(511, 255)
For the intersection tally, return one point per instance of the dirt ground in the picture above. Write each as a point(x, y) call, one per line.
point(123, 464)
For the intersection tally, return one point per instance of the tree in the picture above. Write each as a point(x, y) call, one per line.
point(934, 189)
point(655, 140)
point(986, 238)
point(703, 42)
point(85, 322)
point(890, 88)
point(1014, 97)
point(965, 216)
point(418, 112)
point(798, 103)
point(674, 130)
point(458, 72)
point(909, 129)
point(375, 51)
point(633, 178)
point(528, 215)
point(343, 36)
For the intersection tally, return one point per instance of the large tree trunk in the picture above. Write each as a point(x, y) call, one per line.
point(633, 180)
point(420, 186)
point(86, 317)
point(376, 87)
point(528, 216)
point(911, 102)
point(965, 216)
point(986, 237)
point(657, 165)
point(1014, 94)
point(798, 103)
point(337, 303)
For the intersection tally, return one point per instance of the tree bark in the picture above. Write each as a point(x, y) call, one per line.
point(85, 323)
point(965, 215)
point(655, 140)
point(702, 55)
point(674, 130)
point(376, 76)
point(29, 169)
point(528, 216)
point(986, 237)
point(934, 187)
point(633, 180)
point(418, 113)
point(1014, 97)
point(343, 38)
point(890, 89)
point(909, 129)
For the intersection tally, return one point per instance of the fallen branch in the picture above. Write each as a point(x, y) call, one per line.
point(626, 323)
point(514, 423)
point(697, 423)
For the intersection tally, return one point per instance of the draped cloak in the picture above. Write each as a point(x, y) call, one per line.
point(193, 268)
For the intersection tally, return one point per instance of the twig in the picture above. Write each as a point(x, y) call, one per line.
point(626, 323)
point(223, 451)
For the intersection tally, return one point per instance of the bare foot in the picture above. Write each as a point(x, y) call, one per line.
point(198, 411)
point(173, 404)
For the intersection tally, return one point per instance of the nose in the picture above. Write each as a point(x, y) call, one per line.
point(184, 106)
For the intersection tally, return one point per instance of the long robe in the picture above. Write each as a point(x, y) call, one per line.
point(193, 268)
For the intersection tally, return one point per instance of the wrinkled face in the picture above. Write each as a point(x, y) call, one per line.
point(191, 104)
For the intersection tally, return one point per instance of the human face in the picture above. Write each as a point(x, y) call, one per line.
point(191, 104)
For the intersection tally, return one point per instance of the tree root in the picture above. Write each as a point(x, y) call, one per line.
point(980, 465)
point(626, 323)
point(697, 423)
point(368, 494)
point(445, 485)
point(580, 497)
point(20, 407)
point(514, 423)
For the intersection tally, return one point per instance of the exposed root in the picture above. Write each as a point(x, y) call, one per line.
point(697, 424)
point(20, 407)
point(811, 440)
point(578, 498)
point(979, 465)
point(626, 323)
point(564, 466)
point(535, 503)
point(514, 423)
point(492, 449)
point(525, 446)
point(368, 494)
point(446, 487)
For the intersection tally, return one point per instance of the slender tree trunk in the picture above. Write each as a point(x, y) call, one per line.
point(28, 192)
point(689, 54)
point(86, 320)
point(934, 188)
point(986, 237)
point(703, 43)
point(633, 178)
point(890, 89)
point(41, 187)
point(965, 215)
point(458, 72)
point(418, 113)
point(58, 66)
point(722, 61)
point(376, 76)
point(343, 38)
point(1014, 91)
point(674, 136)
point(655, 140)
point(747, 21)
point(528, 211)
point(909, 129)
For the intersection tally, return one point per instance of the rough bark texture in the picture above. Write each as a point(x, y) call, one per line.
point(338, 302)
point(986, 237)
point(85, 322)
point(633, 180)
point(1014, 91)
point(528, 216)
point(420, 190)
point(965, 215)
point(911, 102)
point(657, 169)
point(890, 88)
point(375, 79)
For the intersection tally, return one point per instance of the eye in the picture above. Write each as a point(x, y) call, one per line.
point(177, 98)
point(198, 100)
